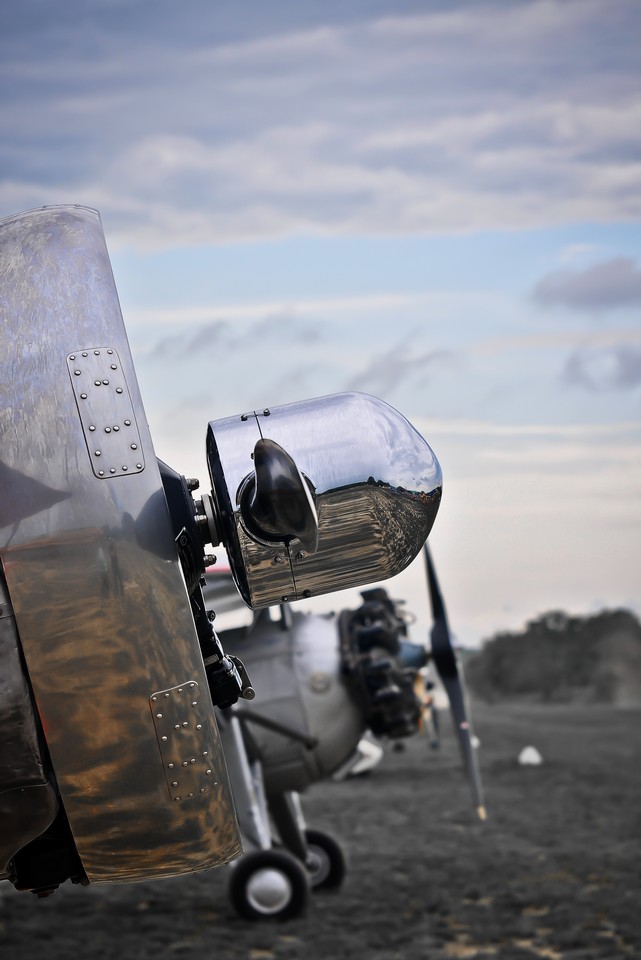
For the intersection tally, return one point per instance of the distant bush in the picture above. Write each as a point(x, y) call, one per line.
point(561, 658)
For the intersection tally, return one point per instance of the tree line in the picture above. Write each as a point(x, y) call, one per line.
point(560, 658)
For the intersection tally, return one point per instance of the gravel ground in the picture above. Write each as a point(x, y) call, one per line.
point(553, 873)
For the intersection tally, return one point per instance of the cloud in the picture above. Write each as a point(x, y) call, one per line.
point(324, 121)
point(600, 370)
point(260, 312)
point(482, 430)
point(190, 342)
point(280, 327)
point(603, 286)
point(386, 373)
point(274, 331)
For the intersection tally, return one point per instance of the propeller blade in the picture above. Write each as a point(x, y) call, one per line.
point(451, 676)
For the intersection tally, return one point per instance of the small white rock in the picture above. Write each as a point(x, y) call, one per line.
point(530, 757)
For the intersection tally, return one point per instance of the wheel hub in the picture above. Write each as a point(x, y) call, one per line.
point(269, 891)
point(318, 865)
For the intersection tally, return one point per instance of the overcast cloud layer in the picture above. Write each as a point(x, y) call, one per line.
point(435, 201)
point(197, 123)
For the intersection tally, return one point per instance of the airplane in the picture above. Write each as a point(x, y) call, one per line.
point(324, 681)
point(111, 762)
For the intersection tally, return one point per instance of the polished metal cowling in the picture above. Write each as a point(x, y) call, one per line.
point(92, 572)
point(374, 481)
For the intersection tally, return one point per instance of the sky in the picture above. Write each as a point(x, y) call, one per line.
point(438, 203)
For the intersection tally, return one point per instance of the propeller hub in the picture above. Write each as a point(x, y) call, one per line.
point(277, 503)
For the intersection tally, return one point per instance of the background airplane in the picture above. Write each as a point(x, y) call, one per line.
point(323, 681)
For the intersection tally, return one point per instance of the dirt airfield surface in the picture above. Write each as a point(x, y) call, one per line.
point(554, 873)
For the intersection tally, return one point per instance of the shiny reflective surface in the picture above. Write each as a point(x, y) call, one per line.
point(277, 504)
point(89, 557)
point(28, 803)
point(268, 891)
point(376, 483)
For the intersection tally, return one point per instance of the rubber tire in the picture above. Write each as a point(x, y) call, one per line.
point(283, 863)
point(333, 866)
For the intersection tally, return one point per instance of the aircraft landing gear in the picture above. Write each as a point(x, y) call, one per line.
point(325, 861)
point(269, 885)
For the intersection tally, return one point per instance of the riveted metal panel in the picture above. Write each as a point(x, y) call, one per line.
point(106, 412)
point(184, 737)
